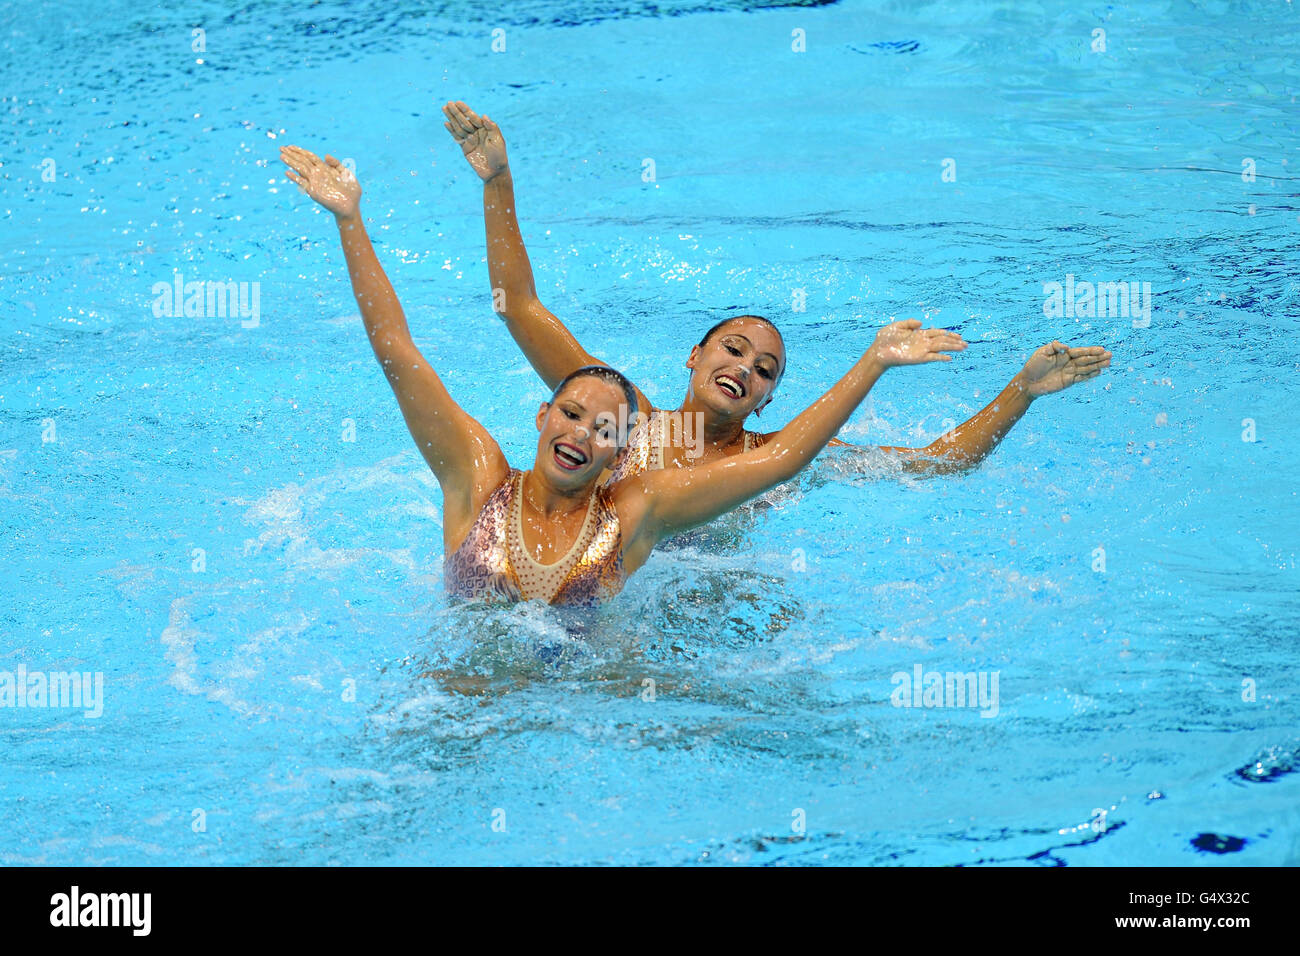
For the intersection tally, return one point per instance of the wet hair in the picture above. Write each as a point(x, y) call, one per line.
point(757, 318)
point(613, 377)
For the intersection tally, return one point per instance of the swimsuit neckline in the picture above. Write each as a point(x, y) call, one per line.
point(517, 521)
point(660, 440)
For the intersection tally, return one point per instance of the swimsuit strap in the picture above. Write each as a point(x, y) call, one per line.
point(645, 447)
point(480, 567)
point(659, 431)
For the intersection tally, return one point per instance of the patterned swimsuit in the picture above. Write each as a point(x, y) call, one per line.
point(645, 447)
point(492, 562)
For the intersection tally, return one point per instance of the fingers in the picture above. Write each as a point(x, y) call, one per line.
point(450, 129)
point(302, 183)
point(456, 124)
point(1088, 361)
point(1081, 371)
point(943, 339)
point(462, 117)
point(1091, 362)
point(468, 115)
point(296, 165)
point(302, 155)
point(303, 160)
point(1100, 363)
point(1086, 351)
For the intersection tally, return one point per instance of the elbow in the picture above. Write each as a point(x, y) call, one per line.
point(939, 458)
point(513, 306)
point(786, 463)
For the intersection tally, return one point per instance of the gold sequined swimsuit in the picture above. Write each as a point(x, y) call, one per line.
point(645, 447)
point(493, 563)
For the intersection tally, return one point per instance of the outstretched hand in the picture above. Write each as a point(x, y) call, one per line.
point(906, 343)
point(1056, 367)
point(479, 138)
point(327, 181)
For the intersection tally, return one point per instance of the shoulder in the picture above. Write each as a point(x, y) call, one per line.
point(630, 498)
point(462, 512)
point(629, 503)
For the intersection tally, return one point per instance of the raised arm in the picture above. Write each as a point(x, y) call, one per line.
point(548, 345)
point(673, 499)
point(466, 460)
point(1052, 368)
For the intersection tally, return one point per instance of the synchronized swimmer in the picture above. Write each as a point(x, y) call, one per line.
point(737, 364)
point(608, 482)
point(557, 532)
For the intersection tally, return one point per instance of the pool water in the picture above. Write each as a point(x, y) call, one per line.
point(225, 517)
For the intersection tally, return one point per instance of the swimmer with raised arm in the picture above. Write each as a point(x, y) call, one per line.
point(738, 363)
point(554, 532)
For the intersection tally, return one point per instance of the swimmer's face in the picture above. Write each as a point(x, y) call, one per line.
point(735, 371)
point(579, 432)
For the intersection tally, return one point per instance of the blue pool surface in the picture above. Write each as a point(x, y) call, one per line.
point(229, 522)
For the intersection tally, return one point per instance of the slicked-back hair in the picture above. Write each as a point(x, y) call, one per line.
point(758, 318)
point(605, 373)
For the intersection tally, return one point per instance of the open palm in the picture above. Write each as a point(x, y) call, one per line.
point(906, 343)
point(326, 180)
point(1056, 367)
point(479, 138)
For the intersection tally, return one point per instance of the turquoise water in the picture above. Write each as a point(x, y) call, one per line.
point(227, 520)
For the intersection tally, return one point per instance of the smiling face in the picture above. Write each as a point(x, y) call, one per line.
point(579, 432)
point(735, 371)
